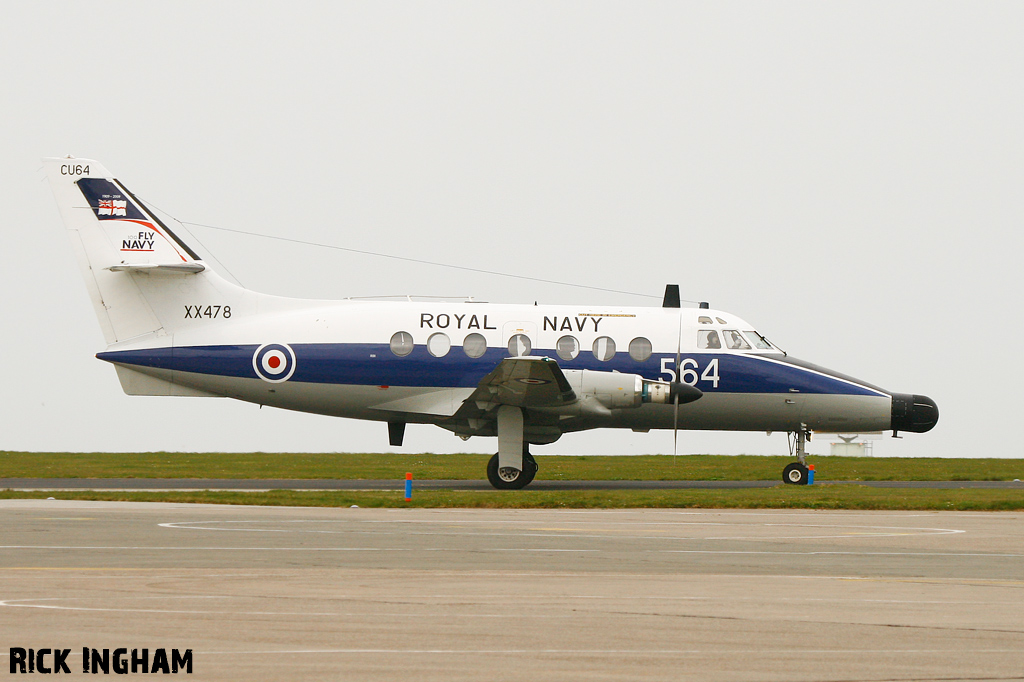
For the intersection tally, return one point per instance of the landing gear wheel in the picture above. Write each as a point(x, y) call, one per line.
point(507, 478)
point(531, 465)
point(795, 474)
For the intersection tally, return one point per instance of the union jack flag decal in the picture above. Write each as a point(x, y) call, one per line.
point(108, 201)
point(113, 207)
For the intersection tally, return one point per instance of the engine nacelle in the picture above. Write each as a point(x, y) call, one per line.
point(615, 390)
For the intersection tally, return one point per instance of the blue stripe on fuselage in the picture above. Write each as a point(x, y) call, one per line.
point(375, 365)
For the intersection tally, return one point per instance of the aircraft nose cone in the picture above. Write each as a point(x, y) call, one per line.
point(914, 413)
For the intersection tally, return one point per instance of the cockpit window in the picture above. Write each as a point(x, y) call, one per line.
point(721, 321)
point(735, 341)
point(704, 319)
point(759, 341)
point(708, 339)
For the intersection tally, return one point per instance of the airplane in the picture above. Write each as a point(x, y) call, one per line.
point(525, 374)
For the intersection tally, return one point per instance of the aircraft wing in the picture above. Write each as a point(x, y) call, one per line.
point(524, 382)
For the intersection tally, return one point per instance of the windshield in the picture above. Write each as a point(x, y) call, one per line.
point(708, 338)
point(759, 341)
point(734, 340)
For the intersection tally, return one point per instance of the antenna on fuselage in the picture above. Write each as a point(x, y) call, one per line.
point(671, 299)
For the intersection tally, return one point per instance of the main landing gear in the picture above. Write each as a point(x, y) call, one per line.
point(510, 478)
point(513, 467)
point(797, 473)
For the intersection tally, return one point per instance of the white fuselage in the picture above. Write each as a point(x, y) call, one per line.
point(344, 364)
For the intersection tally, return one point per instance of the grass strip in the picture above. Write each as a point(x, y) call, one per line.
point(784, 497)
point(261, 465)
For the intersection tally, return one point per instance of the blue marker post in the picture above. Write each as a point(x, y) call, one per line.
point(408, 487)
point(810, 474)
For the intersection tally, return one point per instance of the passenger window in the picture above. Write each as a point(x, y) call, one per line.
point(401, 344)
point(519, 345)
point(567, 347)
point(639, 349)
point(604, 348)
point(759, 341)
point(704, 319)
point(474, 345)
point(735, 341)
point(707, 339)
point(439, 344)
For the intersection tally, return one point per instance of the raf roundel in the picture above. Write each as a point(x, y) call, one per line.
point(274, 362)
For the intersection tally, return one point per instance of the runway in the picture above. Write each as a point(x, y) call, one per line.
point(261, 593)
point(260, 484)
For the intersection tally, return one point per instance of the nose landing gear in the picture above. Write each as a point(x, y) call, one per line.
point(797, 473)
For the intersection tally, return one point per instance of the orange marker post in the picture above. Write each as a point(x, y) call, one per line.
point(408, 487)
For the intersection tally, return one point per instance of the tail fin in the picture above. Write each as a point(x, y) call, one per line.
point(132, 263)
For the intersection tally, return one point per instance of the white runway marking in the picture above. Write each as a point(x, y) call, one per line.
point(506, 549)
point(33, 603)
point(226, 549)
point(15, 603)
point(725, 551)
point(851, 530)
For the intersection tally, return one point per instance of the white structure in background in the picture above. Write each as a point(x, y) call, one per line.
point(850, 447)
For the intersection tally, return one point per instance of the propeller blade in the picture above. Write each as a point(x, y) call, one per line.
point(679, 348)
point(675, 428)
point(675, 393)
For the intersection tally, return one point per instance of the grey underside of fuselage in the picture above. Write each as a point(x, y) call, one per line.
point(714, 411)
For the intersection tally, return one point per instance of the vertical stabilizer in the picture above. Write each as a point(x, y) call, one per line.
point(135, 268)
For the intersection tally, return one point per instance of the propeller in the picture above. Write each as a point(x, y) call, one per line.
point(681, 392)
point(675, 392)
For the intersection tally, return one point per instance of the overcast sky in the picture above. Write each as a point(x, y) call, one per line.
point(845, 176)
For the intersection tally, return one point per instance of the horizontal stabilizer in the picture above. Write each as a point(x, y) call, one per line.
point(160, 269)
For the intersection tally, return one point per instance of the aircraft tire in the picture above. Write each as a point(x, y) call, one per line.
point(503, 480)
point(795, 474)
